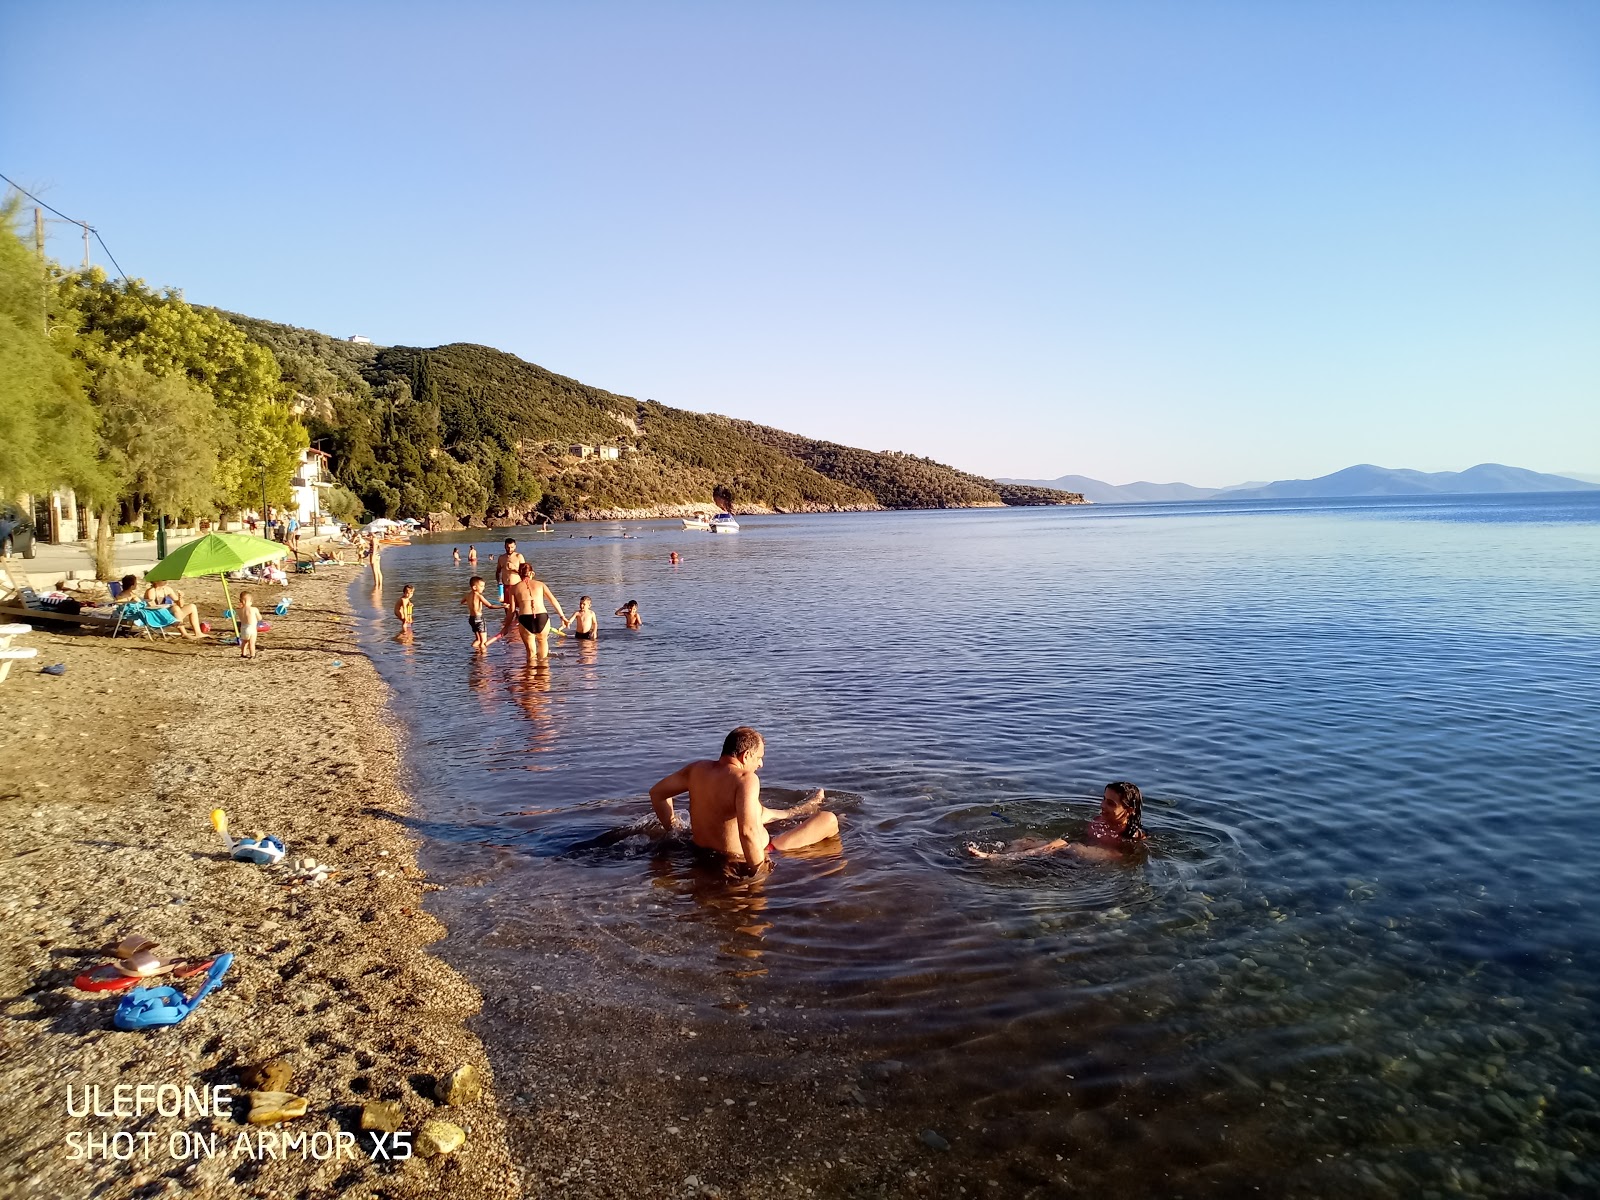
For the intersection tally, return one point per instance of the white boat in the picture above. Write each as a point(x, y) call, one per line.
point(696, 523)
point(724, 523)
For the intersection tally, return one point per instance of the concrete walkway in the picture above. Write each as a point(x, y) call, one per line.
point(51, 564)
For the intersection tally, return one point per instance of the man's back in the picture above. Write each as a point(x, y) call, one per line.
point(717, 789)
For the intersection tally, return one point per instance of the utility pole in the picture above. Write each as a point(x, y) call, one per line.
point(38, 233)
point(85, 245)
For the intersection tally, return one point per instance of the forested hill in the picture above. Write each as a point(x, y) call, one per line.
point(477, 432)
point(902, 480)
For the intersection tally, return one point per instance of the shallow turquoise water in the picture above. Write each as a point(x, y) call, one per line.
point(1359, 957)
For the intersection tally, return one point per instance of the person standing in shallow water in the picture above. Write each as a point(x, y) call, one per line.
point(1118, 829)
point(727, 821)
point(629, 612)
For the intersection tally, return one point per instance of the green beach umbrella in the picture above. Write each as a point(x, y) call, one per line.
point(216, 554)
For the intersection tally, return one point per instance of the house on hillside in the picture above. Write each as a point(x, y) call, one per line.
point(360, 339)
point(582, 451)
point(311, 478)
point(608, 452)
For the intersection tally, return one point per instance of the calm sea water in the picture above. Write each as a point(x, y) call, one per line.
point(1360, 957)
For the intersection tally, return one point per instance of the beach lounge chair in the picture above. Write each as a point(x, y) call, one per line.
point(8, 654)
point(149, 621)
point(7, 657)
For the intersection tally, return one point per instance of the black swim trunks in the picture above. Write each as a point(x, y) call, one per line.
point(534, 623)
point(475, 624)
point(586, 637)
point(707, 857)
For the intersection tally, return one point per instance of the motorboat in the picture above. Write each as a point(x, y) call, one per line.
point(724, 523)
point(696, 522)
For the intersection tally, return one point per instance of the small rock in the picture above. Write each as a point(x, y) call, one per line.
point(461, 1086)
point(383, 1115)
point(885, 1070)
point(933, 1140)
point(269, 1107)
point(270, 1076)
point(439, 1137)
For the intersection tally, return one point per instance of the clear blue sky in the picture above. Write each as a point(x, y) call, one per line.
point(1198, 241)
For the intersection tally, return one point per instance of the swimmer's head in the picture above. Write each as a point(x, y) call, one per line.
point(632, 604)
point(524, 571)
point(746, 745)
point(1122, 808)
point(583, 602)
point(407, 590)
point(476, 583)
point(511, 543)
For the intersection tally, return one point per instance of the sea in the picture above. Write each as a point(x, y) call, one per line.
point(1358, 957)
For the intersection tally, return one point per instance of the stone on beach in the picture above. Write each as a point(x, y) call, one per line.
point(267, 1108)
point(270, 1076)
point(437, 1138)
point(385, 1116)
point(461, 1086)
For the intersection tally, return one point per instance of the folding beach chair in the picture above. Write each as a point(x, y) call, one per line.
point(136, 614)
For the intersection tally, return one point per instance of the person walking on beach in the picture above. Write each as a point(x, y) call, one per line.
point(584, 624)
point(630, 614)
point(475, 604)
point(249, 625)
point(1118, 829)
point(527, 599)
point(375, 548)
point(727, 820)
point(505, 567)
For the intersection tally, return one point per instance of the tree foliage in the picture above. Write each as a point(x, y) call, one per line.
point(158, 436)
point(47, 426)
point(258, 436)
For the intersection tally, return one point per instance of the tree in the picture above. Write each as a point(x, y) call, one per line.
point(158, 438)
point(47, 427)
point(256, 429)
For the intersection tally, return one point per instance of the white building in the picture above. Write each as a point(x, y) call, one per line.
point(311, 479)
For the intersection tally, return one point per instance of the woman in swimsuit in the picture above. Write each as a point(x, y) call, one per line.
point(1118, 829)
point(526, 598)
point(584, 624)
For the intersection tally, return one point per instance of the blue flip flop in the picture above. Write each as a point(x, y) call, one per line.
point(148, 1008)
point(264, 852)
point(58, 669)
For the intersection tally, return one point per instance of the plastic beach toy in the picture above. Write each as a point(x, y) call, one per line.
point(117, 977)
point(147, 1008)
point(282, 610)
point(262, 850)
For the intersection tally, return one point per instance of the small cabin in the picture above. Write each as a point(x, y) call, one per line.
point(608, 452)
point(580, 451)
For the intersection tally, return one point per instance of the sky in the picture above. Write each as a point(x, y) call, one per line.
point(1197, 241)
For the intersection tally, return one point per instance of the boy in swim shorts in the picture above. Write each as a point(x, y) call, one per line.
point(475, 604)
point(585, 625)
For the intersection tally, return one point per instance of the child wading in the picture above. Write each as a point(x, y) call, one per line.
point(630, 613)
point(405, 607)
point(584, 624)
point(1118, 829)
point(475, 605)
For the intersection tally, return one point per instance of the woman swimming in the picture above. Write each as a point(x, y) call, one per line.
point(1118, 829)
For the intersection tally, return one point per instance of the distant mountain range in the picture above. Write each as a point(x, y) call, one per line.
point(1363, 480)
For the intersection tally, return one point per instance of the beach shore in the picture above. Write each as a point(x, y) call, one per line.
point(108, 774)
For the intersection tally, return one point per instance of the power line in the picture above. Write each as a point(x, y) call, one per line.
point(81, 224)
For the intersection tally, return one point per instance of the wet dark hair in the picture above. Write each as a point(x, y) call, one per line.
point(1131, 798)
point(740, 742)
point(475, 579)
point(511, 541)
point(524, 570)
point(635, 604)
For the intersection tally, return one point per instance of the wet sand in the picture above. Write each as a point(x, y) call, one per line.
point(108, 775)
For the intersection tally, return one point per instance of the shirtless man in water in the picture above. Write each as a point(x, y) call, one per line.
point(726, 818)
point(526, 598)
point(505, 567)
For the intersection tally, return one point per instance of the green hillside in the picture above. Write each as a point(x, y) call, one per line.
point(480, 433)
